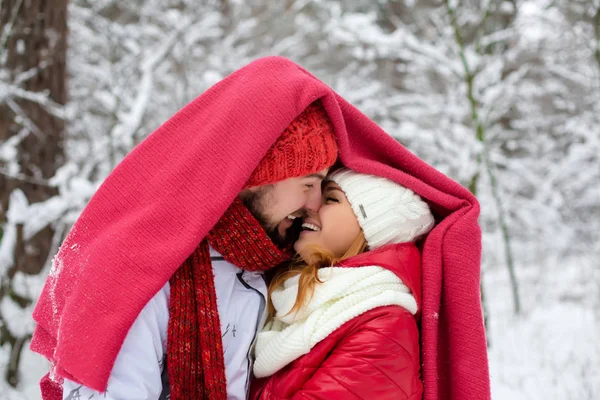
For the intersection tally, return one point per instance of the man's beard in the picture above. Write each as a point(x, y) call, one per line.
point(255, 202)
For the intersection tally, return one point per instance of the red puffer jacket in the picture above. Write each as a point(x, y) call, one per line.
point(374, 356)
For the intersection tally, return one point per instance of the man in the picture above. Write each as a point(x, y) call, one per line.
point(183, 186)
point(285, 183)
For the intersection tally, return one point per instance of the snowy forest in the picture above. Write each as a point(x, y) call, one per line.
point(503, 96)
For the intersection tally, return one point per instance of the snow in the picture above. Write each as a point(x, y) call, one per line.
point(20, 46)
point(16, 215)
point(33, 368)
point(549, 352)
point(19, 320)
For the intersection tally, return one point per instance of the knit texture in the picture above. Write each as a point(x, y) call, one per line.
point(161, 201)
point(305, 147)
point(387, 212)
point(195, 352)
point(344, 294)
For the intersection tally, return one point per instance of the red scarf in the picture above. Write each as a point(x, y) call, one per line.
point(195, 351)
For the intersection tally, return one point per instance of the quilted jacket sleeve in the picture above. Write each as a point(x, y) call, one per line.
point(378, 358)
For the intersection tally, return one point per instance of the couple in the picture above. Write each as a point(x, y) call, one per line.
point(158, 290)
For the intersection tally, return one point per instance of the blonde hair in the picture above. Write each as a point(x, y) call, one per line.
point(309, 272)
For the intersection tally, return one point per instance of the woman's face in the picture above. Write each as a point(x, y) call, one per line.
point(334, 227)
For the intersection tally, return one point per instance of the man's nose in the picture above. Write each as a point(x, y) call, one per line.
point(313, 202)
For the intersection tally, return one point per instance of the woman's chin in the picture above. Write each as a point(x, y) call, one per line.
point(301, 246)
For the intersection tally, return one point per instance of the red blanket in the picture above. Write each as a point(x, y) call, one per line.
point(163, 198)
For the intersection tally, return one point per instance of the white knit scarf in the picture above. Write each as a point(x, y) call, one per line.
point(344, 294)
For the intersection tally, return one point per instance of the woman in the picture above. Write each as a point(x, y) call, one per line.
point(343, 319)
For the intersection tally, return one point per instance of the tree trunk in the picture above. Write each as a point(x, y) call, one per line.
point(32, 57)
point(597, 35)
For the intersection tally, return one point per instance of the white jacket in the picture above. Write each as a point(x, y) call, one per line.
point(139, 373)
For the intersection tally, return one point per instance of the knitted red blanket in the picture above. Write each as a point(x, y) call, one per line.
point(162, 200)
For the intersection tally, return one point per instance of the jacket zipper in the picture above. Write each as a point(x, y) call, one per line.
point(258, 319)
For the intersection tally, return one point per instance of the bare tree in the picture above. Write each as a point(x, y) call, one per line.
point(33, 69)
point(483, 157)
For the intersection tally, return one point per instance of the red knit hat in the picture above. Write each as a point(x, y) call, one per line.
point(305, 147)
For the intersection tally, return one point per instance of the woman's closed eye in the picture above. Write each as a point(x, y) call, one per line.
point(329, 199)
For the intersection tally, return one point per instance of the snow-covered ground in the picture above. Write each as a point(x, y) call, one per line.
point(551, 351)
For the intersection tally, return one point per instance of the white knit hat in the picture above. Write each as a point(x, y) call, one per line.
point(387, 212)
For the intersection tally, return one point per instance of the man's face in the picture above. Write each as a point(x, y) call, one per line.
point(280, 206)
